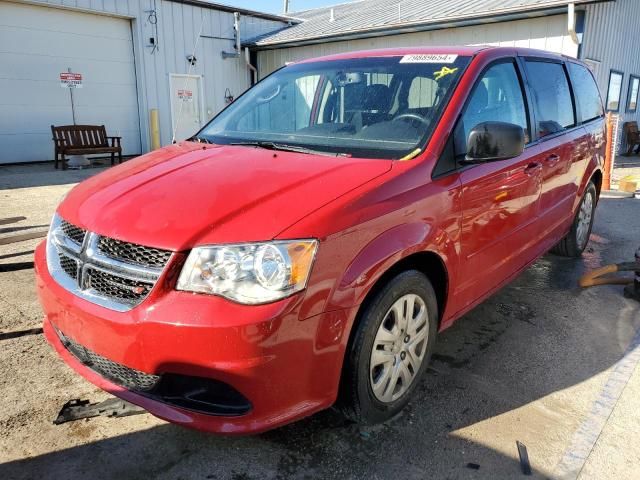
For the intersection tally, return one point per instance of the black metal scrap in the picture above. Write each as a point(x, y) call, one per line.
point(77, 409)
point(524, 458)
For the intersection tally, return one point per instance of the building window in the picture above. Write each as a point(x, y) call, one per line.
point(632, 97)
point(422, 93)
point(614, 91)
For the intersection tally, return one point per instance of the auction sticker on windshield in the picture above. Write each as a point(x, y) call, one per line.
point(429, 58)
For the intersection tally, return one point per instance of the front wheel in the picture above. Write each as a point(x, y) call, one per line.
point(390, 349)
point(574, 243)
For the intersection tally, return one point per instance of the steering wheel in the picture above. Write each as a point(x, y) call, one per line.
point(412, 117)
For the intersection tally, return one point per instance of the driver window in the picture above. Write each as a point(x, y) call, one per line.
point(497, 97)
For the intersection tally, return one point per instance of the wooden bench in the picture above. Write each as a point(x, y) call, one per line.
point(632, 135)
point(84, 140)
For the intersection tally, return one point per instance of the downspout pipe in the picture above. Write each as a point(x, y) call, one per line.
point(238, 47)
point(571, 18)
point(254, 70)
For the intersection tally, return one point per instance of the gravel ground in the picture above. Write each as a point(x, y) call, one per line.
point(530, 364)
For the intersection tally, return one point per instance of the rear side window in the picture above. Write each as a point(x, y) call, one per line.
point(497, 97)
point(551, 97)
point(586, 92)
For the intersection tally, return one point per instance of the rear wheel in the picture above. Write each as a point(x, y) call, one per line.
point(390, 349)
point(574, 243)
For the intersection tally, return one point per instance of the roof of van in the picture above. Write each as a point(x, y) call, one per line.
point(465, 51)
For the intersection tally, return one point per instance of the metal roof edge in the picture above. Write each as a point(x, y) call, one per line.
point(328, 7)
point(241, 11)
point(419, 26)
point(352, 2)
point(252, 41)
point(407, 28)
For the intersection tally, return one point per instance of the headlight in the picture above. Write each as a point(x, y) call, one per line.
point(250, 273)
point(51, 254)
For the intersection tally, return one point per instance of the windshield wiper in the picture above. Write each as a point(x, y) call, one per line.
point(287, 148)
point(198, 139)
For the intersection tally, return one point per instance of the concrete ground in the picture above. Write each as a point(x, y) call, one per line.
point(541, 362)
point(624, 166)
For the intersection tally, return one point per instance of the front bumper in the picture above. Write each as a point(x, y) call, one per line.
point(286, 368)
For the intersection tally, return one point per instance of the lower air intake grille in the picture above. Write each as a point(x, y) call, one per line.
point(119, 374)
point(198, 394)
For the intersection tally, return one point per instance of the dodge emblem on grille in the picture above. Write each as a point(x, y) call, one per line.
point(137, 289)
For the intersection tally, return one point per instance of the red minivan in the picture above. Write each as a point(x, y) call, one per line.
point(305, 247)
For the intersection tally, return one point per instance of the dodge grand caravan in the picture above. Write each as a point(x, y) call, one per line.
point(305, 247)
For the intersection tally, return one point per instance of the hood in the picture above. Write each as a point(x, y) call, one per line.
point(188, 194)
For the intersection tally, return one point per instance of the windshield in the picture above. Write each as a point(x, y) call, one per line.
point(379, 107)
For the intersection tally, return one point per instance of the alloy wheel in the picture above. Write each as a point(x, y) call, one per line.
point(584, 220)
point(399, 348)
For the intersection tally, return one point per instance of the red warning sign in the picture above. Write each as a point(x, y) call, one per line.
point(70, 80)
point(185, 95)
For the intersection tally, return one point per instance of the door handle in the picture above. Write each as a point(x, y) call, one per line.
point(552, 159)
point(533, 168)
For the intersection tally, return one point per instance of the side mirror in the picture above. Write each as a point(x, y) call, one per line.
point(490, 141)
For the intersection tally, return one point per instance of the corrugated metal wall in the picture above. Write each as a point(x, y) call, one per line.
point(612, 41)
point(547, 33)
point(178, 26)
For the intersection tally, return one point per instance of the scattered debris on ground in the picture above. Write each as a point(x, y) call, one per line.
point(524, 458)
point(113, 407)
point(20, 333)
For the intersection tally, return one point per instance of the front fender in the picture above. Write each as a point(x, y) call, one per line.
point(385, 251)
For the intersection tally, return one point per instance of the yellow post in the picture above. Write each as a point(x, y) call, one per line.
point(154, 126)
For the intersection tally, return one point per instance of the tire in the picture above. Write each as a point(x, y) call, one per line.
point(574, 243)
point(367, 395)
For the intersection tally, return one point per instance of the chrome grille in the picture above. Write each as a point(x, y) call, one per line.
point(111, 273)
point(120, 288)
point(76, 234)
point(133, 253)
point(117, 373)
point(69, 265)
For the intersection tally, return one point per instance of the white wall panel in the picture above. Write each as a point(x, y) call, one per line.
point(36, 45)
point(177, 30)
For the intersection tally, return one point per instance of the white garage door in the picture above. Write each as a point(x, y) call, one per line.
point(39, 43)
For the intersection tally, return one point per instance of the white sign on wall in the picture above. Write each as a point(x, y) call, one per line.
point(70, 80)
